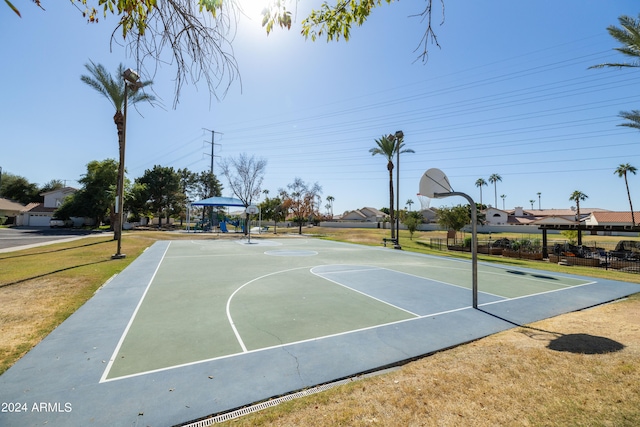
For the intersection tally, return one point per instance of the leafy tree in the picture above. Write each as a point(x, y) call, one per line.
point(206, 185)
point(300, 199)
point(453, 218)
point(54, 184)
point(188, 187)
point(494, 178)
point(198, 34)
point(274, 210)
point(19, 189)
point(622, 171)
point(480, 182)
point(165, 197)
point(114, 90)
point(136, 201)
point(570, 235)
point(335, 21)
point(412, 219)
point(96, 197)
point(481, 218)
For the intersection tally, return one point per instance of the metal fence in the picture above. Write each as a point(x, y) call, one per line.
point(621, 256)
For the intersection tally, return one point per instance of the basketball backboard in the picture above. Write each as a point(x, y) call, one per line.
point(434, 181)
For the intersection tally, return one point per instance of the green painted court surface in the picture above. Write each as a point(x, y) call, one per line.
point(211, 299)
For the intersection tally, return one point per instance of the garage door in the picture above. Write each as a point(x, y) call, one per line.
point(39, 220)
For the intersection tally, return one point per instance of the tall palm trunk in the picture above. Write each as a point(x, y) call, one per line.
point(633, 219)
point(391, 210)
point(118, 119)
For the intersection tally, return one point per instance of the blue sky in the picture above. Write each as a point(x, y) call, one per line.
point(508, 92)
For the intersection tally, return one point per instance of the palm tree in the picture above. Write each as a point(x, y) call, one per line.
point(387, 147)
point(410, 202)
point(632, 117)
point(503, 196)
point(479, 183)
point(539, 194)
point(532, 201)
point(494, 178)
point(621, 171)
point(330, 199)
point(629, 37)
point(578, 196)
point(114, 90)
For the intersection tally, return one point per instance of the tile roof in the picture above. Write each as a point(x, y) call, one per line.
point(559, 212)
point(10, 205)
point(618, 217)
point(38, 207)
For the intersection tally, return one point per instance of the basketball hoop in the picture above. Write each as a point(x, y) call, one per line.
point(435, 184)
point(425, 202)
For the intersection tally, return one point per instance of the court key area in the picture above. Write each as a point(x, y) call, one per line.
point(200, 327)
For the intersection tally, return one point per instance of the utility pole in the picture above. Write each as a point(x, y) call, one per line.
point(213, 144)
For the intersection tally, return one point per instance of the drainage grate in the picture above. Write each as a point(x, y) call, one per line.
point(263, 405)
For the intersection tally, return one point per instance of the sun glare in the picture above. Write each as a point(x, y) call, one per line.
point(253, 8)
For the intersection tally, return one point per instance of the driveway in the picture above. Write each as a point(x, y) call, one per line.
point(16, 238)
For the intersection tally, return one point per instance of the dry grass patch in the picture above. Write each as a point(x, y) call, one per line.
point(509, 379)
point(41, 287)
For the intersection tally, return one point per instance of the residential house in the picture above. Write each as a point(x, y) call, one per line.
point(9, 210)
point(612, 219)
point(39, 214)
point(364, 215)
point(536, 217)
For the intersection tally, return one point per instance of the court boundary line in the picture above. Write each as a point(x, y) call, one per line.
point(228, 305)
point(112, 359)
point(423, 278)
point(324, 337)
point(543, 293)
point(356, 290)
point(338, 334)
point(311, 268)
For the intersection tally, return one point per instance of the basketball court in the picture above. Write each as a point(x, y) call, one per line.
point(202, 327)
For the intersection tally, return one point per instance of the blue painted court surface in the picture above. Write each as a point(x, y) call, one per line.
point(195, 328)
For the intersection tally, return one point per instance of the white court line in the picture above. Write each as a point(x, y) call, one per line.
point(133, 316)
point(316, 339)
point(540, 293)
point(431, 280)
point(233, 326)
point(360, 292)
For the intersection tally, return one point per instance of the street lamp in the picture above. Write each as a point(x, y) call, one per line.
point(131, 81)
point(398, 139)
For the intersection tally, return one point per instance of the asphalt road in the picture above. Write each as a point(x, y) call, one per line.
point(20, 237)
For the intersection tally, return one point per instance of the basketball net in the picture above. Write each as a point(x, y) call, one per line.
point(424, 201)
